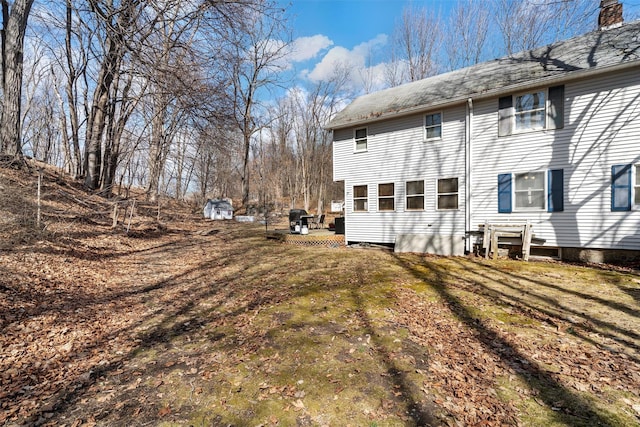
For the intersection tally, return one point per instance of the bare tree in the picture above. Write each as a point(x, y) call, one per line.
point(279, 151)
point(466, 37)
point(528, 24)
point(118, 23)
point(394, 68)
point(417, 39)
point(14, 25)
point(257, 52)
point(73, 73)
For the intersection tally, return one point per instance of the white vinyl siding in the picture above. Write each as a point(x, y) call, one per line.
point(395, 155)
point(600, 130)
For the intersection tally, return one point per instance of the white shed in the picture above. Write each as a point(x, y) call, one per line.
point(218, 209)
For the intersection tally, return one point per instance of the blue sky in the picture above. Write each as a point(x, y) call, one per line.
point(356, 33)
point(351, 22)
point(350, 32)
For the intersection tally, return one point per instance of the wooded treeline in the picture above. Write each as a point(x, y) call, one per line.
point(180, 97)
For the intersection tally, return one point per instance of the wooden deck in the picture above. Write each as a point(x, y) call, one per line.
point(321, 237)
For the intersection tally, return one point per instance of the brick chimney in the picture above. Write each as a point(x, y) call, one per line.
point(610, 14)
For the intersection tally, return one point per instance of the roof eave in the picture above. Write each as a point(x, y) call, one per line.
point(561, 78)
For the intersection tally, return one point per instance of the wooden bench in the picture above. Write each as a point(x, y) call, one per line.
point(519, 234)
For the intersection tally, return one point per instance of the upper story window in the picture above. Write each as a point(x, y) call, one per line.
point(360, 198)
point(386, 197)
point(530, 111)
point(448, 193)
point(433, 126)
point(361, 139)
point(415, 195)
point(542, 109)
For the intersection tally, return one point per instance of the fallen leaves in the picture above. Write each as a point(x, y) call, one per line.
point(99, 327)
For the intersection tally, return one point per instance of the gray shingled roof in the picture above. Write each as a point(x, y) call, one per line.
point(595, 51)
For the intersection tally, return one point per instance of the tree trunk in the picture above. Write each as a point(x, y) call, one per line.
point(96, 123)
point(245, 168)
point(75, 164)
point(14, 27)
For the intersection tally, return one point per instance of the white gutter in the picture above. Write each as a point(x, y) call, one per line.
point(550, 80)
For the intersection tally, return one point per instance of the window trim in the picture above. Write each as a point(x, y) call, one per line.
point(635, 186)
point(356, 140)
point(407, 196)
point(365, 198)
point(544, 190)
point(553, 191)
point(457, 194)
point(425, 138)
point(392, 197)
point(554, 114)
point(545, 111)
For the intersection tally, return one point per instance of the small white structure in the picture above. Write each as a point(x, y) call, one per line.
point(218, 209)
point(337, 206)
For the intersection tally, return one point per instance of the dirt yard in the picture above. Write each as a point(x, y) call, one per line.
point(182, 321)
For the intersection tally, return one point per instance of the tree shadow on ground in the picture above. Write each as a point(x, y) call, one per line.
point(549, 309)
point(421, 413)
point(576, 410)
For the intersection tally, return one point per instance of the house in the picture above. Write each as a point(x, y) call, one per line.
point(549, 136)
point(218, 209)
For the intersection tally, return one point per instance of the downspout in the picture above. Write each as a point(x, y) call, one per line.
point(467, 177)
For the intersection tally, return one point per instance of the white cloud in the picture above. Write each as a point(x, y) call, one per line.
point(305, 48)
point(360, 61)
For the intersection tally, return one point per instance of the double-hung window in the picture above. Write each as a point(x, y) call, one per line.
point(360, 198)
point(529, 111)
point(433, 126)
point(415, 195)
point(360, 137)
point(447, 193)
point(536, 110)
point(386, 197)
point(531, 191)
